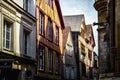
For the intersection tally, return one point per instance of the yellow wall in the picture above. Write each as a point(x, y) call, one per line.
point(51, 13)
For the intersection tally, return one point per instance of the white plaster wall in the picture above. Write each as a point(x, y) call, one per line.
point(17, 38)
point(19, 2)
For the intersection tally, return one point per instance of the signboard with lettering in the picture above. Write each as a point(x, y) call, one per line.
point(5, 65)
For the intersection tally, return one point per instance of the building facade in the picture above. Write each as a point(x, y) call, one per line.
point(86, 46)
point(49, 39)
point(108, 14)
point(75, 30)
point(83, 45)
point(17, 39)
point(69, 63)
point(102, 7)
point(95, 67)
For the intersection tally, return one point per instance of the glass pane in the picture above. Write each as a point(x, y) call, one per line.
point(7, 35)
point(7, 27)
point(7, 44)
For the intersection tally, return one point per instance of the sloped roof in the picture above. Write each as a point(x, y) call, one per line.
point(74, 21)
point(66, 31)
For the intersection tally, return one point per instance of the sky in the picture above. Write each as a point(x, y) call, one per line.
point(77, 7)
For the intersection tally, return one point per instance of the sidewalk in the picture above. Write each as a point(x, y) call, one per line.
point(114, 78)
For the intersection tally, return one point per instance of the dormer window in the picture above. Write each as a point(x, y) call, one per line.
point(50, 3)
point(50, 30)
point(25, 5)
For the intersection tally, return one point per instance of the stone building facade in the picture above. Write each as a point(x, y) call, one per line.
point(108, 36)
point(17, 39)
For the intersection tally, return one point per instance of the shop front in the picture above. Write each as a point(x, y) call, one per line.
point(16, 68)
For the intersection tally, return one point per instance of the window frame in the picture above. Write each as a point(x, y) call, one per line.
point(57, 63)
point(50, 3)
point(26, 34)
point(57, 35)
point(42, 66)
point(10, 25)
point(50, 30)
point(50, 60)
point(41, 20)
point(26, 5)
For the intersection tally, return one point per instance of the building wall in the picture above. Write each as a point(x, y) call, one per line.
point(53, 14)
point(19, 21)
point(110, 15)
point(0, 32)
point(117, 31)
point(102, 43)
point(21, 62)
point(31, 5)
point(81, 47)
point(69, 63)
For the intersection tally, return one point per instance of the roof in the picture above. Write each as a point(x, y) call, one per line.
point(65, 35)
point(74, 21)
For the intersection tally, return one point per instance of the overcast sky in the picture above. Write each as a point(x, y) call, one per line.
point(76, 7)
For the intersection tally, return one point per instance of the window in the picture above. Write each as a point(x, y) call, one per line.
point(25, 41)
point(25, 5)
point(42, 58)
point(90, 54)
point(50, 59)
point(57, 63)
point(50, 3)
point(83, 69)
point(7, 35)
point(57, 36)
point(69, 49)
point(50, 30)
point(83, 49)
point(41, 24)
point(67, 72)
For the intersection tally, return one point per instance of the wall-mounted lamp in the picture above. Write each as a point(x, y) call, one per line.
point(100, 24)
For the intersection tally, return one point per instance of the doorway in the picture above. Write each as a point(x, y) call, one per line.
point(9, 74)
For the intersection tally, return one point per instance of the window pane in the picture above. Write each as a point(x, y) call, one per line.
point(50, 60)
point(50, 3)
point(57, 36)
point(50, 30)
point(42, 53)
point(25, 5)
point(7, 44)
point(57, 63)
point(7, 35)
point(41, 24)
point(25, 41)
point(8, 27)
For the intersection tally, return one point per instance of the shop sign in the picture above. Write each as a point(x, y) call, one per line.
point(5, 65)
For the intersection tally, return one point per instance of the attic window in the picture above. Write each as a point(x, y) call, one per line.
point(87, 41)
point(50, 3)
